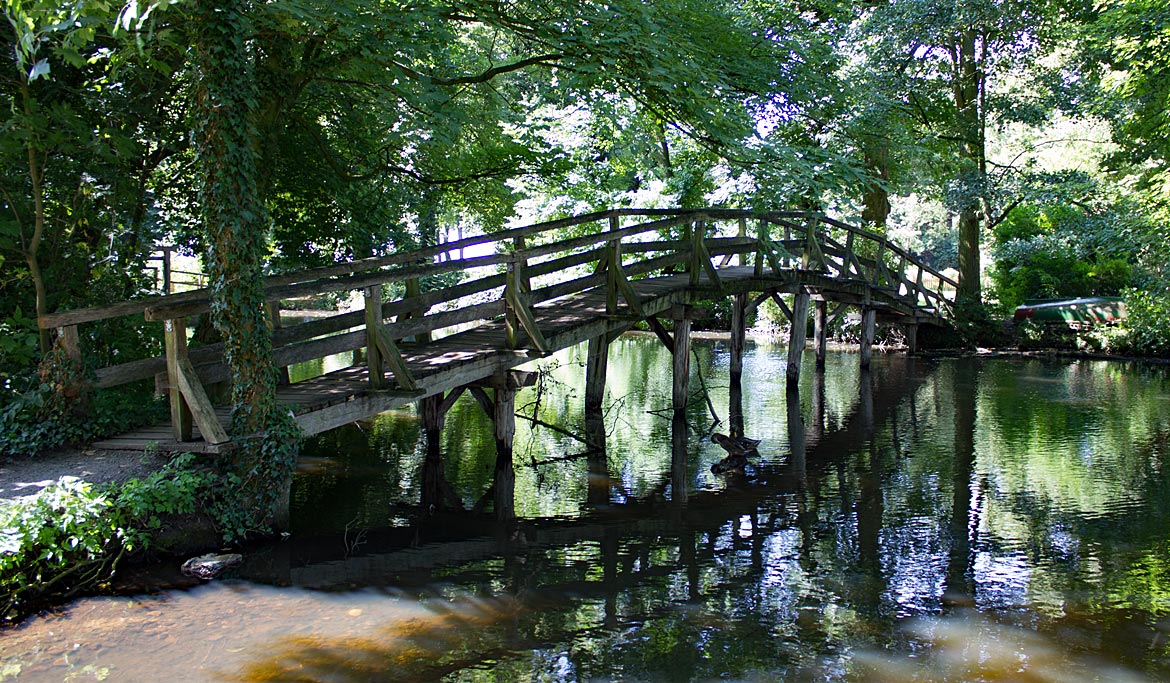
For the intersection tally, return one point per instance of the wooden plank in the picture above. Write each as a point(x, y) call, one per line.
point(393, 358)
point(373, 303)
point(175, 339)
point(200, 405)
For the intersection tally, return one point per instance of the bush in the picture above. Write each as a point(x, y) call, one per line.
point(1146, 329)
point(1058, 251)
point(42, 410)
point(71, 536)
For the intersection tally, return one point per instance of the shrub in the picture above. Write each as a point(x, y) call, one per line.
point(41, 410)
point(1146, 330)
point(71, 536)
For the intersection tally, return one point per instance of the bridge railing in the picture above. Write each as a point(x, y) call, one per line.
point(505, 275)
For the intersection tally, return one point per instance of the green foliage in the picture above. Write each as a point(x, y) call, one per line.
point(71, 536)
point(1146, 329)
point(40, 411)
point(255, 479)
point(1046, 252)
point(57, 542)
point(18, 343)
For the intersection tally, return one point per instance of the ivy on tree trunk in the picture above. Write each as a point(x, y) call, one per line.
point(233, 216)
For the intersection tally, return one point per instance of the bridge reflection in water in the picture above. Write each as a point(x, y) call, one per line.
point(927, 520)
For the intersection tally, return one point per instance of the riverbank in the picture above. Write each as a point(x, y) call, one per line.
point(26, 476)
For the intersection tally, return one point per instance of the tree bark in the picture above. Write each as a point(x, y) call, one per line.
point(973, 164)
point(232, 214)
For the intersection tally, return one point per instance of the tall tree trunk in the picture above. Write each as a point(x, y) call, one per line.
point(232, 213)
point(972, 153)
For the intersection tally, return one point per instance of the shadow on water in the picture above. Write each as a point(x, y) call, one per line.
point(926, 521)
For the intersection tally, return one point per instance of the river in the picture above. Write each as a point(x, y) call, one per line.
point(956, 519)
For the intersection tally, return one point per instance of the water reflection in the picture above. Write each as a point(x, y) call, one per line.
point(926, 521)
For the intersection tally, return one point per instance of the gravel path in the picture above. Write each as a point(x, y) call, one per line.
point(25, 476)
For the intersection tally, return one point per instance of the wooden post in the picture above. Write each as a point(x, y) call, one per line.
point(820, 323)
point(70, 342)
point(798, 334)
point(595, 372)
point(679, 456)
point(373, 322)
point(505, 477)
point(414, 289)
point(682, 359)
point(511, 320)
point(175, 339)
point(738, 341)
point(912, 338)
point(282, 376)
point(166, 268)
point(598, 464)
point(613, 260)
point(868, 328)
point(741, 232)
point(696, 251)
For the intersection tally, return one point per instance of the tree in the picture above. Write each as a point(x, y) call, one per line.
point(954, 58)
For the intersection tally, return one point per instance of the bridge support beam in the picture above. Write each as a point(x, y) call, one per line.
point(798, 334)
point(505, 476)
point(436, 492)
point(596, 367)
point(682, 358)
point(502, 410)
point(912, 338)
point(868, 329)
point(738, 341)
point(820, 325)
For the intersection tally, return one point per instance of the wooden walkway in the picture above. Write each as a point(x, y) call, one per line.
point(529, 296)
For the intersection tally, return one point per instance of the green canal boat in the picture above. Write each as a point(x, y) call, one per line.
point(1082, 312)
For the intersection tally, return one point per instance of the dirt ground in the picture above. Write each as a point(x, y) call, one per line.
point(26, 476)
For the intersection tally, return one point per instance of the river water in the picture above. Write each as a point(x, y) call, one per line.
point(933, 520)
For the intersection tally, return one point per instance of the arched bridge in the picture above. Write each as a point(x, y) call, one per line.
point(464, 314)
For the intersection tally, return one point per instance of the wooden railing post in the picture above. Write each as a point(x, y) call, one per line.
point(282, 376)
point(741, 232)
point(613, 270)
point(175, 340)
point(511, 321)
point(693, 237)
point(70, 342)
point(517, 312)
point(762, 245)
point(373, 296)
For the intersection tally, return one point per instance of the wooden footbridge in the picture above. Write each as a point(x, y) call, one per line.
point(461, 316)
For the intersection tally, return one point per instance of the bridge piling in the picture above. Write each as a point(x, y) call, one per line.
point(868, 328)
point(505, 430)
point(797, 334)
point(596, 368)
point(820, 325)
point(738, 341)
point(682, 359)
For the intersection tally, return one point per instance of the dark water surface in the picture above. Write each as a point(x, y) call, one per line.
point(934, 520)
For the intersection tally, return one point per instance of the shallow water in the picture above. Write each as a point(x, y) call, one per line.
point(934, 520)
